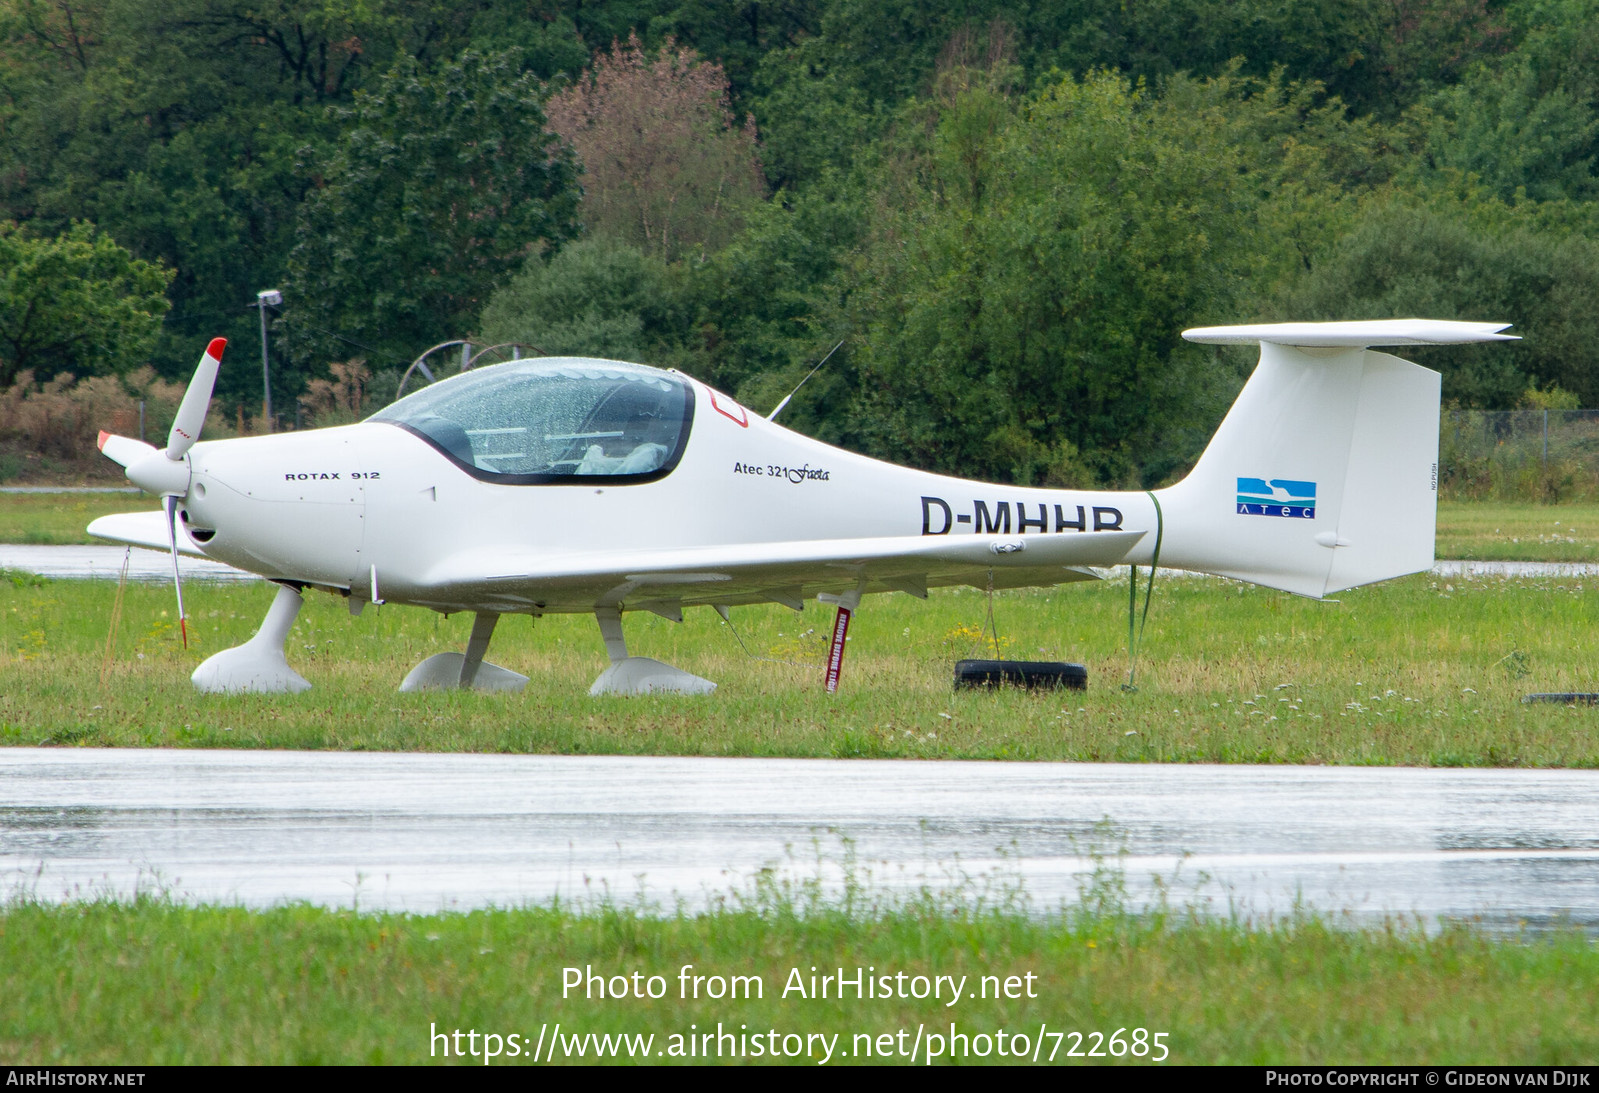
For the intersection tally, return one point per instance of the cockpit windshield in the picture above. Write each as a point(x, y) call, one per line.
point(555, 419)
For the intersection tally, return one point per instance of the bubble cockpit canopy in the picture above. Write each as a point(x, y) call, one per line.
point(554, 419)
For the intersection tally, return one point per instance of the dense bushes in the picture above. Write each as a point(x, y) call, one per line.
point(52, 426)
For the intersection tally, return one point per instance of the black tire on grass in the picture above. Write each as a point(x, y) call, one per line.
point(1032, 674)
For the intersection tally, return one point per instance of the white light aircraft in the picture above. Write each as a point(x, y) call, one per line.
point(592, 486)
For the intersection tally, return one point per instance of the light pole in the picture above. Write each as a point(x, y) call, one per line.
point(267, 297)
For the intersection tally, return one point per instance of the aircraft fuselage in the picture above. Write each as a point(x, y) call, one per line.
point(328, 507)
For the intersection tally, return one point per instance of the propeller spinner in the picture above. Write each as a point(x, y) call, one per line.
point(167, 472)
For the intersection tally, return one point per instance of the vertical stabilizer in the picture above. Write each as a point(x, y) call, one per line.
point(1324, 474)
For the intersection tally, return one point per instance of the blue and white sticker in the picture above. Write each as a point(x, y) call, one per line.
point(1285, 497)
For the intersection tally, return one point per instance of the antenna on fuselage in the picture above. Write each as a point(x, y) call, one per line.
point(801, 383)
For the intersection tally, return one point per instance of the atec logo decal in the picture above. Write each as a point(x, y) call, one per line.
point(1277, 497)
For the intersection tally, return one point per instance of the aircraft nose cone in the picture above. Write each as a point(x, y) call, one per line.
point(158, 474)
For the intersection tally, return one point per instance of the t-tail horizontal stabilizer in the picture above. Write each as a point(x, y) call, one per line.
point(1324, 474)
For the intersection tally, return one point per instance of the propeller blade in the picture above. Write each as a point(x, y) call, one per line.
point(170, 503)
point(191, 411)
point(123, 450)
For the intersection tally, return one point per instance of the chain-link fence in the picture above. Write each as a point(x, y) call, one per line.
point(1532, 455)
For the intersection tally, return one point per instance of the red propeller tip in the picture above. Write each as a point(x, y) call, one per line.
point(100, 442)
point(216, 347)
point(183, 625)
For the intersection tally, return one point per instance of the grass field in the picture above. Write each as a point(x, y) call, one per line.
point(152, 982)
point(58, 519)
point(1518, 532)
point(1416, 671)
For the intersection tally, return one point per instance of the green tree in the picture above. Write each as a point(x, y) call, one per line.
point(1019, 307)
point(77, 303)
point(817, 94)
point(444, 183)
point(593, 298)
point(812, 119)
point(736, 35)
point(1406, 260)
point(768, 305)
point(1527, 125)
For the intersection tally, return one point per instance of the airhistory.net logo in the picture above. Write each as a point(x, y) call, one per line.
point(1277, 497)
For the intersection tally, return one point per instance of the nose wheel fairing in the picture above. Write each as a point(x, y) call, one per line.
point(259, 665)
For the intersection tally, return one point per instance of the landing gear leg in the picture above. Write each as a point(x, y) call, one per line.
point(259, 664)
point(638, 675)
point(482, 630)
point(468, 671)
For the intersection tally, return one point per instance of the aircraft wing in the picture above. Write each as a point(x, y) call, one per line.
point(143, 529)
point(665, 580)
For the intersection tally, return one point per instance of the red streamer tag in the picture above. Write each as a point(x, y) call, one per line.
point(835, 656)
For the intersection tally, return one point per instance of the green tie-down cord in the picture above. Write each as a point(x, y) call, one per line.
point(1135, 624)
